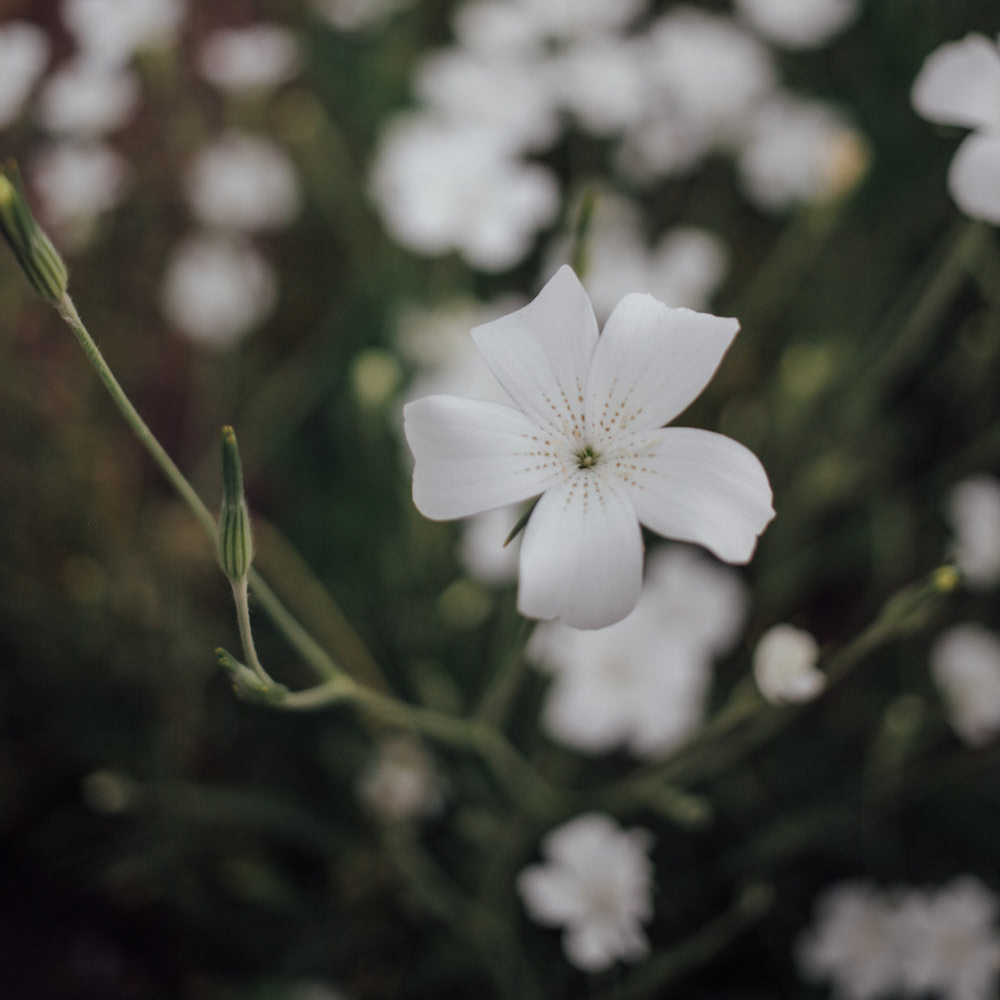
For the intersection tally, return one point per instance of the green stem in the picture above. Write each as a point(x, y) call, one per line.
point(497, 697)
point(246, 632)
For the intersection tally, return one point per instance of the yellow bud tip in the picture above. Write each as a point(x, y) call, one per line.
point(7, 192)
point(946, 579)
point(228, 434)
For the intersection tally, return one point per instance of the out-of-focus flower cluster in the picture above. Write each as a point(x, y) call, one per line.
point(871, 943)
point(461, 172)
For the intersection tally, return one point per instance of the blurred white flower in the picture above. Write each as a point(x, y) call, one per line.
point(24, 53)
point(441, 188)
point(587, 437)
point(784, 665)
point(88, 99)
point(114, 30)
point(973, 508)
point(216, 289)
point(481, 549)
point(798, 24)
point(704, 75)
point(965, 666)
point(642, 683)
point(853, 943)
point(799, 151)
point(514, 97)
point(258, 57)
point(242, 181)
point(498, 27)
point(596, 882)
point(571, 19)
point(949, 941)
point(682, 269)
point(358, 15)
point(402, 782)
point(600, 82)
point(77, 183)
point(959, 84)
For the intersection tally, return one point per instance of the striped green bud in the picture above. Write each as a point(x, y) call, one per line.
point(235, 541)
point(38, 258)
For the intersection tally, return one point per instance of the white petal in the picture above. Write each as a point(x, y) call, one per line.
point(541, 353)
point(473, 456)
point(959, 83)
point(581, 557)
point(551, 894)
point(651, 361)
point(591, 945)
point(974, 176)
point(701, 487)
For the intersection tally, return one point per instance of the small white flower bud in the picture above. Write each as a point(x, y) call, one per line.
point(784, 665)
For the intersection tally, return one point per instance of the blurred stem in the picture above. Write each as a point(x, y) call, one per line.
point(497, 697)
point(662, 969)
point(246, 632)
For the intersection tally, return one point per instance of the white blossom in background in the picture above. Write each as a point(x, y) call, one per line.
point(513, 96)
point(481, 550)
point(798, 151)
point(216, 289)
point(574, 19)
point(440, 188)
point(76, 183)
point(596, 883)
point(683, 268)
point(853, 943)
point(358, 15)
point(784, 665)
point(87, 99)
point(258, 57)
point(642, 683)
point(965, 666)
point(402, 782)
point(242, 181)
point(949, 941)
point(600, 83)
point(24, 53)
point(498, 27)
point(959, 84)
point(798, 24)
point(587, 435)
point(115, 30)
point(705, 74)
point(973, 508)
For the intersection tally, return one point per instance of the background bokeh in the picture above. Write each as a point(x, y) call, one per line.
point(161, 838)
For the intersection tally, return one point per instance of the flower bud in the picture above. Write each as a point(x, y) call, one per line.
point(38, 258)
point(235, 541)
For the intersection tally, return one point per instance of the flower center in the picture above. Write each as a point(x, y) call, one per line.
point(586, 458)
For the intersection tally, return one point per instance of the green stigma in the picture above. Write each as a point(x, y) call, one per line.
point(587, 457)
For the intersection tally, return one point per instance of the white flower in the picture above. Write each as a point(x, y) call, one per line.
point(481, 550)
point(642, 682)
point(597, 884)
point(949, 941)
point(587, 434)
point(798, 24)
point(853, 943)
point(402, 782)
point(799, 151)
point(965, 666)
point(973, 508)
point(683, 268)
point(114, 30)
point(241, 181)
point(441, 188)
point(513, 96)
point(570, 19)
point(784, 665)
point(76, 183)
point(217, 289)
point(24, 54)
point(257, 57)
point(88, 99)
point(959, 84)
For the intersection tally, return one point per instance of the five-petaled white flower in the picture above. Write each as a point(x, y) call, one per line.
point(587, 434)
